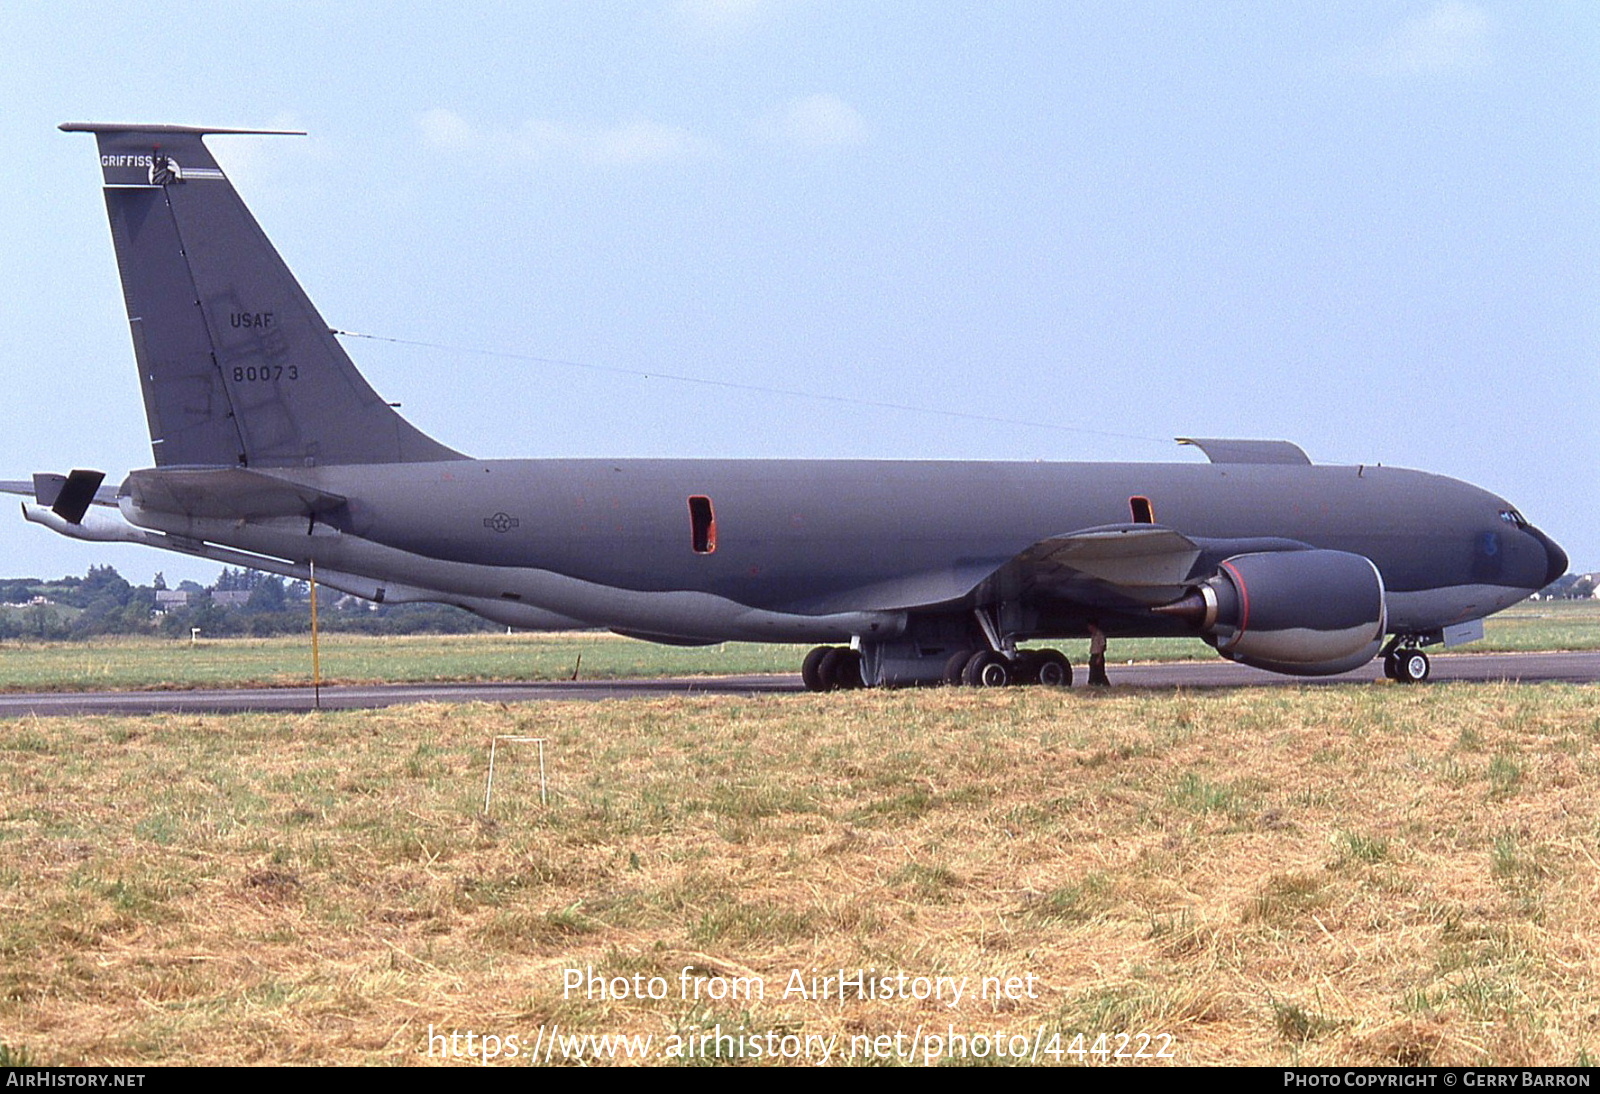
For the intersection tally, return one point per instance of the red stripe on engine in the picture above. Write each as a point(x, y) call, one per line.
point(1244, 601)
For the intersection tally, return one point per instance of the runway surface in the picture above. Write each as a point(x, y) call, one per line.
point(1580, 668)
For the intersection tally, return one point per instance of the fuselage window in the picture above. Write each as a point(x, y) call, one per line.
point(702, 525)
point(1141, 510)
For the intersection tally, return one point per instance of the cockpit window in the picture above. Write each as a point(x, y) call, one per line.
point(1511, 516)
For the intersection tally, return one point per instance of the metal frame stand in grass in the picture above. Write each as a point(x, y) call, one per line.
point(544, 798)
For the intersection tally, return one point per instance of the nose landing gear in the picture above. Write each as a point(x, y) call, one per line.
point(1405, 664)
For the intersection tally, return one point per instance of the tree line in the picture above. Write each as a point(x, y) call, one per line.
point(103, 602)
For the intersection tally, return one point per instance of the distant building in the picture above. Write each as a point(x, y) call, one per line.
point(230, 598)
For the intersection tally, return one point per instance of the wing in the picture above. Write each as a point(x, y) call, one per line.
point(1147, 562)
point(1126, 565)
point(1109, 566)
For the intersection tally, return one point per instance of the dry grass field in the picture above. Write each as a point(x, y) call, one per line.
point(1363, 874)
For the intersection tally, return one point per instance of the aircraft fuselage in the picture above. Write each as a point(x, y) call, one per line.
point(824, 537)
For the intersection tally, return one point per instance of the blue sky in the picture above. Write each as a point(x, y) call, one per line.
point(1370, 228)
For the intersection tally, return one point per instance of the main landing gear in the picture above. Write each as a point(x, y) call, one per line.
point(989, 669)
point(832, 668)
point(839, 668)
point(1405, 664)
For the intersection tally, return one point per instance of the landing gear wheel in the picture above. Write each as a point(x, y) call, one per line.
point(840, 670)
point(1390, 670)
point(987, 669)
point(811, 669)
point(953, 667)
point(1025, 667)
point(1053, 670)
point(848, 674)
point(1411, 666)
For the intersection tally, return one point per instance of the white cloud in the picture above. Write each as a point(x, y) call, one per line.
point(717, 16)
point(816, 121)
point(635, 142)
point(1452, 35)
point(446, 129)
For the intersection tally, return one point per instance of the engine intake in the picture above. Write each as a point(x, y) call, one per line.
point(1306, 613)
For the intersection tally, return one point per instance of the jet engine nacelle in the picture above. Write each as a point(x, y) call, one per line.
point(1306, 613)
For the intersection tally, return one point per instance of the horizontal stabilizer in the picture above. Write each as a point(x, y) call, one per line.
point(227, 494)
point(162, 130)
point(45, 488)
point(76, 495)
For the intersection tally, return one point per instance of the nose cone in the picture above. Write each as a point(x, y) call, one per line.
point(1557, 557)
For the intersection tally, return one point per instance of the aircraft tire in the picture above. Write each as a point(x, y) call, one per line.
point(987, 669)
point(1391, 668)
point(1411, 666)
point(954, 666)
point(1025, 667)
point(1052, 669)
point(811, 669)
point(848, 673)
point(840, 669)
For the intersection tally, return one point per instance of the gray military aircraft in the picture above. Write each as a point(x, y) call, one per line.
point(272, 452)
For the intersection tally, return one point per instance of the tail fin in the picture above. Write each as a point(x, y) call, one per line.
point(237, 367)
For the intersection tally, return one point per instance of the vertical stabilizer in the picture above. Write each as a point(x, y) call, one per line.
point(237, 367)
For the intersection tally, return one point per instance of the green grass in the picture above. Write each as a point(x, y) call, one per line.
point(1543, 625)
point(166, 663)
point(284, 662)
